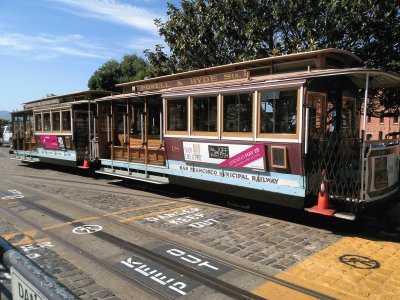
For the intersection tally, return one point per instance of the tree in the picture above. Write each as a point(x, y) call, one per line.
point(106, 77)
point(205, 33)
point(112, 72)
point(133, 68)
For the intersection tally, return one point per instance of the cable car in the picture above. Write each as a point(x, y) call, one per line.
point(57, 129)
point(283, 130)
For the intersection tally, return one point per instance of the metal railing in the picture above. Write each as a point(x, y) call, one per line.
point(29, 280)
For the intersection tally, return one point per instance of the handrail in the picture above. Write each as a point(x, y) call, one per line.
point(47, 285)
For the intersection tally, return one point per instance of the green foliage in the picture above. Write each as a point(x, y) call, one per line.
point(206, 33)
point(131, 68)
point(106, 77)
point(3, 122)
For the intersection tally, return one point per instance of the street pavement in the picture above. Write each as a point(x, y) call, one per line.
point(333, 263)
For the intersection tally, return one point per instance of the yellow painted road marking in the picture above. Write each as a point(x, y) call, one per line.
point(32, 241)
point(72, 222)
point(274, 291)
point(56, 225)
point(112, 214)
point(28, 238)
point(372, 270)
point(155, 213)
point(138, 208)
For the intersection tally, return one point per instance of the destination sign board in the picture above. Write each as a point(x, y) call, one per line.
point(22, 289)
point(221, 77)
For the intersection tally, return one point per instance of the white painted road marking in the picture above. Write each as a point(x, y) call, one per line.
point(87, 229)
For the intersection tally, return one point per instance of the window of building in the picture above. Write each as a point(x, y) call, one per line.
point(380, 135)
point(278, 112)
point(396, 120)
point(56, 120)
point(38, 122)
point(369, 136)
point(177, 115)
point(66, 120)
point(369, 119)
point(381, 120)
point(238, 113)
point(204, 114)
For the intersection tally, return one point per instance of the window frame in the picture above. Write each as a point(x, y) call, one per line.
point(36, 123)
point(249, 134)
point(47, 112)
point(70, 121)
point(175, 132)
point(52, 120)
point(204, 133)
point(279, 135)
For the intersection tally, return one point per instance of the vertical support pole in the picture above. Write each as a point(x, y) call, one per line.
point(124, 124)
point(112, 132)
point(146, 146)
point(220, 122)
point(363, 137)
point(108, 127)
point(255, 114)
point(141, 128)
point(161, 130)
point(189, 114)
point(129, 132)
point(89, 133)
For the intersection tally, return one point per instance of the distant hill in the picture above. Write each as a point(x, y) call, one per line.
point(5, 115)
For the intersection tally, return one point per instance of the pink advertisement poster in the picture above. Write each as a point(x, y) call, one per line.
point(251, 156)
point(245, 157)
point(49, 141)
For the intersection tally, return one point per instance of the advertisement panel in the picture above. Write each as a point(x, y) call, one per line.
point(226, 155)
point(52, 142)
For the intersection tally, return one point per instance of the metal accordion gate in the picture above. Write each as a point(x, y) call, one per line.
point(334, 150)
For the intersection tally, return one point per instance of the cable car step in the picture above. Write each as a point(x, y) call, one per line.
point(26, 159)
point(134, 176)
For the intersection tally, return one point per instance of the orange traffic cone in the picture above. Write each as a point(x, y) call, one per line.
point(322, 206)
point(85, 164)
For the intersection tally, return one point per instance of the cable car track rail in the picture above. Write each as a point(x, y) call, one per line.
point(199, 276)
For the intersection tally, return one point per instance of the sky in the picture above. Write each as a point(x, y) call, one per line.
point(54, 46)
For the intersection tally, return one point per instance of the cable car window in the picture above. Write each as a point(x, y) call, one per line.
point(177, 115)
point(38, 122)
point(278, 112)
point(46, 122)
point(238, 113)
point(66, 121)
point(105, 117)
point(120, 112)
point(56, 121)
point(28, 125)
point(205, 114)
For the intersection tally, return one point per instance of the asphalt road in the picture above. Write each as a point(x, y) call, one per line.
point(104, 239)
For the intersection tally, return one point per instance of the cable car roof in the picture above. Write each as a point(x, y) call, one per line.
point(346, 57)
